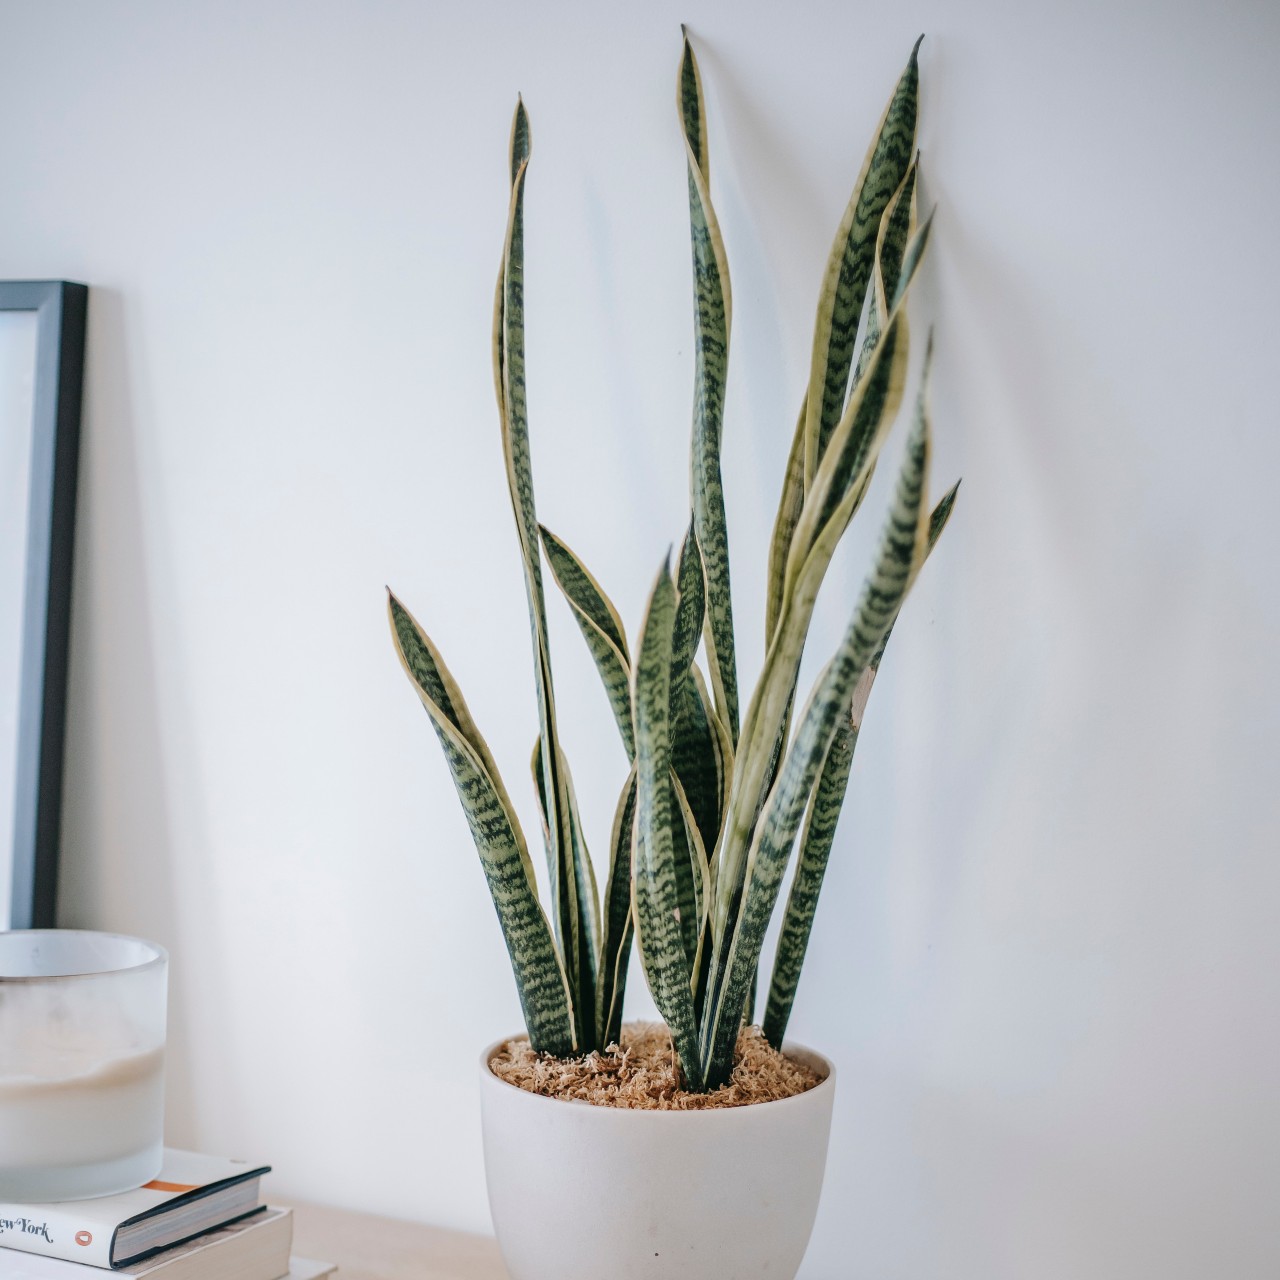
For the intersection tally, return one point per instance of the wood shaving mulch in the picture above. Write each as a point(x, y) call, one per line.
point(640, 1073)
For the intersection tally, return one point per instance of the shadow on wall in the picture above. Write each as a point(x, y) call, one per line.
point(126, 735)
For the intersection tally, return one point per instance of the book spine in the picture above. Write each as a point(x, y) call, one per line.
point(55, 1232)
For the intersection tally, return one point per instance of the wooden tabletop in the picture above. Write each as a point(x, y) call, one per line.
point(369, 1248)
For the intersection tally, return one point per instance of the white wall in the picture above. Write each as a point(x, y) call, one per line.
point(1046, 959)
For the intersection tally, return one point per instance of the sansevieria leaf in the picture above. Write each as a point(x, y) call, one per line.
point(896, 229)
point(789, 507)
point(844, 285)
point(712, 315)
point(837, 490)
point(540, 979)
point(617, 924)
point(901, 552)
point(654, 888)
point(819, 831)
point(584, 876)
point(601, 627)
point(572, 929)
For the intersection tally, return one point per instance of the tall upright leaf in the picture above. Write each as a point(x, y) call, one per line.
point(897, 227)
point(837, 490)
point(712, 317)
point(901, 552)
point(540, 980)
point(844, 284)
point(790, 505)
point(818, 832)
point(654, 888)
point(617, 925)
point(509, 370)
point(584, 878)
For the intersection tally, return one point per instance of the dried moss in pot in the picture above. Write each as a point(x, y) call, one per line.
point(640, 1073)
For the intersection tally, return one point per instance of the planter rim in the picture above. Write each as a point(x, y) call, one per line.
point(819, 1061)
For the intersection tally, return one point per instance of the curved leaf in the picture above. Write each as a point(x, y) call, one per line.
point(509, 372)
point(902, 549)
point(601, 627)
point(815, 847)
point(540, 978)
point(618, 924)
point(690, 612)
point(654, 888)
point(712, 318)
point(844, 285)
point(820, 826)
point(790, 504)
point(896, 229)
point(836, 493)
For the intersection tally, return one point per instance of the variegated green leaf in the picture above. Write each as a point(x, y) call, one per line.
point(814, 848)
point(819, 829)
point(540, 979)
point(699, 756)
point(617, 925)
point(691, 922)
point(601, 627)
point(509, 367)
point(790, 504)
point(844, 285)
point(830, 503)
point(712, 314)
point(896, 228)
point(684, 868)
point(588, 900)
point(837, 491)
point(850, 459)
point(690, 611)
point(938, 519)
point(583, 872)
point(654, 888)
point(901, 552)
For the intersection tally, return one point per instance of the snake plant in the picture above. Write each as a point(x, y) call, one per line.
point(717, 799)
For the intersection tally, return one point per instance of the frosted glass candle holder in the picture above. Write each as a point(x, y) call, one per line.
point(82, 1038)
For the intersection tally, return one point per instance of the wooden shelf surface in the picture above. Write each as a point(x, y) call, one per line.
point(365, 1247)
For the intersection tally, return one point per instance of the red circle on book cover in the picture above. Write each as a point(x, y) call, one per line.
point(83, 1237)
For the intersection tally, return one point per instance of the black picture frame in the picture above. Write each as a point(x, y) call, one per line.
point(61, 309)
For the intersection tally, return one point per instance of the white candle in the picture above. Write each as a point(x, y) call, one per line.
point(82, 1020)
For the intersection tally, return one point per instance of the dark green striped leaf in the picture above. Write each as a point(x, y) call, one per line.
point(820, 826)
point(690, 611)
point(901, 552)
point(712, 317)
point(896, 228)
point(601, 627)
point(692, 911)
point(615, 947)
point(844, 285)
point(654, 887)
point(509, 370)
point(815, 847)
point(504, 857)
point(790, 504)
point(837, 491)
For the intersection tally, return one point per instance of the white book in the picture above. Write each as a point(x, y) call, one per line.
point(192, 1194)
point(254, 1248)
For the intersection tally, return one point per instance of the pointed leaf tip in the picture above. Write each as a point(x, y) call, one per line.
point(915, 48)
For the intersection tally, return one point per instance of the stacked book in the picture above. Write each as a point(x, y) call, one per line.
point(201, 1219)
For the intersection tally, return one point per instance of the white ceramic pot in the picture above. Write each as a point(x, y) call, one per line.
point(600, 1193)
